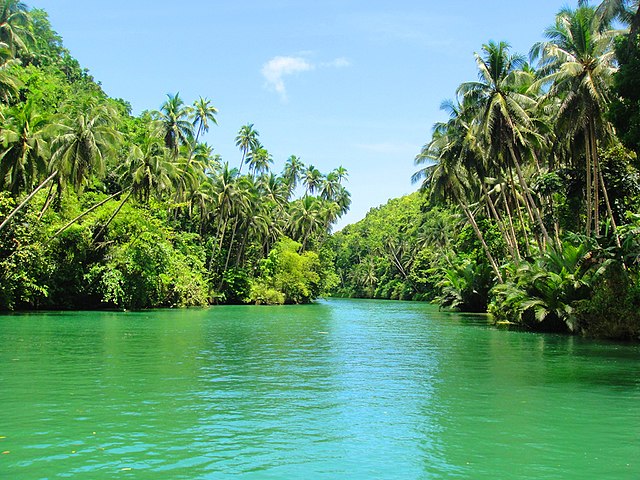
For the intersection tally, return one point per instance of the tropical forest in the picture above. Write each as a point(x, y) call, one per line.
point(527, 204)
point(213, 265)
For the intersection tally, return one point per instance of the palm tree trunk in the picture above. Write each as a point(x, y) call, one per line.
point(528, 196)
point(609, 211)
point(594, 164)
point(221, 232)
point(517, 202)
point(244, 154)
point(589, 181)
point(503, 231)
point(26, 200)
point(478, 233)
point(71, 222)
point(233, 236)
point(600, 179)
point(245, 237)
point(47, 202)
point(510, 218)
point(97, 236)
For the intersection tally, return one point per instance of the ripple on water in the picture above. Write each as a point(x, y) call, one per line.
point(341, 389)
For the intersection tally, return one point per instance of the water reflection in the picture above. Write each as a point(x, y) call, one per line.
point(340, 389)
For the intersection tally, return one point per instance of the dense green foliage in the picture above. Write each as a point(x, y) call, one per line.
point(528, 195)
point(100, 208)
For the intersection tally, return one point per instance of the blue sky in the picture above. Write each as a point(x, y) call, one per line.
point(356, 83)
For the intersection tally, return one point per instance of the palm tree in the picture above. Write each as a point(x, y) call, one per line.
point(148, 169)
point(291, 173)
point(82, 143)
point(9, 84)
point(330, 186)
point(626, 11)
point(445, 179)
point(15, 26)
point(502, 112)
point(259, 161)
point(25, 149)
point(225, 192)
point(305, 219)
point(78, 148)
point(247, 141)
point(578, 62)
point(342, 173)
point(176, 128)
point(343, 199)
point(312, 179)
point(203, 113)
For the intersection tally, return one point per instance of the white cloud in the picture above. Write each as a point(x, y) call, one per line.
point(279, 67)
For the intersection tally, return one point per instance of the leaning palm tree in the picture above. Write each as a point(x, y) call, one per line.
point(445, 178)
point(578, 62)
point(79, 148)
point(502, 113)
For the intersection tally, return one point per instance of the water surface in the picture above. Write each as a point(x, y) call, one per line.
point(339, 389)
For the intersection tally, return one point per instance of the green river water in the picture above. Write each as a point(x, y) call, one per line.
point(341, 389)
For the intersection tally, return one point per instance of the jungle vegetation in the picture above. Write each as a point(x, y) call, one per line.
point(529, 192)
point(103, 209)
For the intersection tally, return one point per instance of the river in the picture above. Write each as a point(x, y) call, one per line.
point(341, 389)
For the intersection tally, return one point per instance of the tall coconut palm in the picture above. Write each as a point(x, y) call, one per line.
point(203, 113)
point(312, 179)
point(177, 129)
point(259, 161)
point(342, 173)
point(627, 11)
point(343, 199)
point(445, 179)
point(247, 141)
point(81, 143)
point(503, 112)
point(578, 62)
point(305, 219)
point(330, 186)
point(148, 168)
point(292, 169)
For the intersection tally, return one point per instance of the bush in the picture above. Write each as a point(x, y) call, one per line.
point(613, 311)
point(263, 294)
